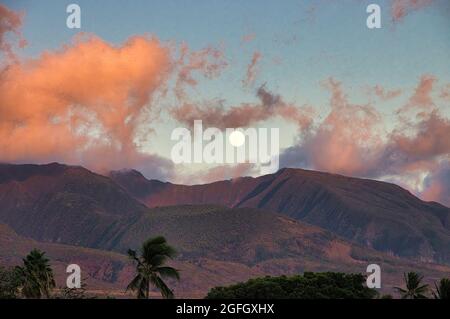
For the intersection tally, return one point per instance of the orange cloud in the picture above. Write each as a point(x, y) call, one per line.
point(83, 104)
point(10, 22)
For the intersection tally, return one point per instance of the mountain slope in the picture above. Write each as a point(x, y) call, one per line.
point(57, 204)
point(65, 204)
point(376, 214)
point(216, 246)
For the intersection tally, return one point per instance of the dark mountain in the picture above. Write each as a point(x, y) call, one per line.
point(64, 204)
point(380, 215)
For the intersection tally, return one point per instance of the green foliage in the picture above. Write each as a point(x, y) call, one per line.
point(414, 288)
point(442, 289)
point(36, 275)
point(150, 268)
point(328, 285)
point(9, 283)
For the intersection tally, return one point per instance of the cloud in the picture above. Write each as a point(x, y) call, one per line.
point(249, 37)
point(385, 95)
point(437, 185)
point(219, 173)
point(83, 104)
point(208, 62)
point(252, 70)
point(346, 141)
point(10, 23)
point(422, 98)
point(445, 93)
point(352, 140)
point(215, 114)
point(431, 138)
point(401, 8)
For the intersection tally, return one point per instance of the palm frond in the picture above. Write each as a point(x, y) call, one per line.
point(161, 285)
point(168, 272)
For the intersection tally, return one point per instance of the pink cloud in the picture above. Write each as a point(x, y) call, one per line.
point(347, 140)
point(252, 70)
point(249, 37)
point(208, 62)
point(214, 113)
point(401, 8)
point(384, 94)
point(438, 185)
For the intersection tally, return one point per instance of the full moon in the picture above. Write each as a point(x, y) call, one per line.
point(237, 138)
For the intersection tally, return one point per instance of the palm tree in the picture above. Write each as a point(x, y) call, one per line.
point(414, 288)
point(36, 275)
point(150, 268)
point(443, 289)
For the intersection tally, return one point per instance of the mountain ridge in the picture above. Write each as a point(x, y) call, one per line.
point(380, 215)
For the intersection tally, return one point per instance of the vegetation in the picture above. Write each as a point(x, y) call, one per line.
point(442, 289)
point(34, 279)
point(414, 287)
point(9, 283)
point(150, 268)
point(73, 293)
point(328, 285)
point(35, 276)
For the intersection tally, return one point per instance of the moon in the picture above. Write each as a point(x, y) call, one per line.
point(237, 138)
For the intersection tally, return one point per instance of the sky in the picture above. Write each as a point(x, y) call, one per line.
point(372, 103)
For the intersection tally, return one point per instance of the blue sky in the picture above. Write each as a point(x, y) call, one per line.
point(313, 39)
point(302, 44)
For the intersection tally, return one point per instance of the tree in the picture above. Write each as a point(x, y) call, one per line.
point(36, 275)
point(443, 289)
point(414, 288)
point(150, 268)
point(328, 285)
point(9, 284)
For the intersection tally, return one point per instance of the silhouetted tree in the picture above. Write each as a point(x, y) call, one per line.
point(414, 287)
point(443, 289)
point(36, 275)
point(328, 285)
point(150, 268)
point(9, 283)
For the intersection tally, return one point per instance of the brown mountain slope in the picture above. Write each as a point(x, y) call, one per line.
point(380, 215)
point(70, 205)
point(245, 242)
point(65, 204)
point(217, 246)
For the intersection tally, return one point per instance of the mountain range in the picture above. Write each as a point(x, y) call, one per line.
point(376, 214)
point(289, 222)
